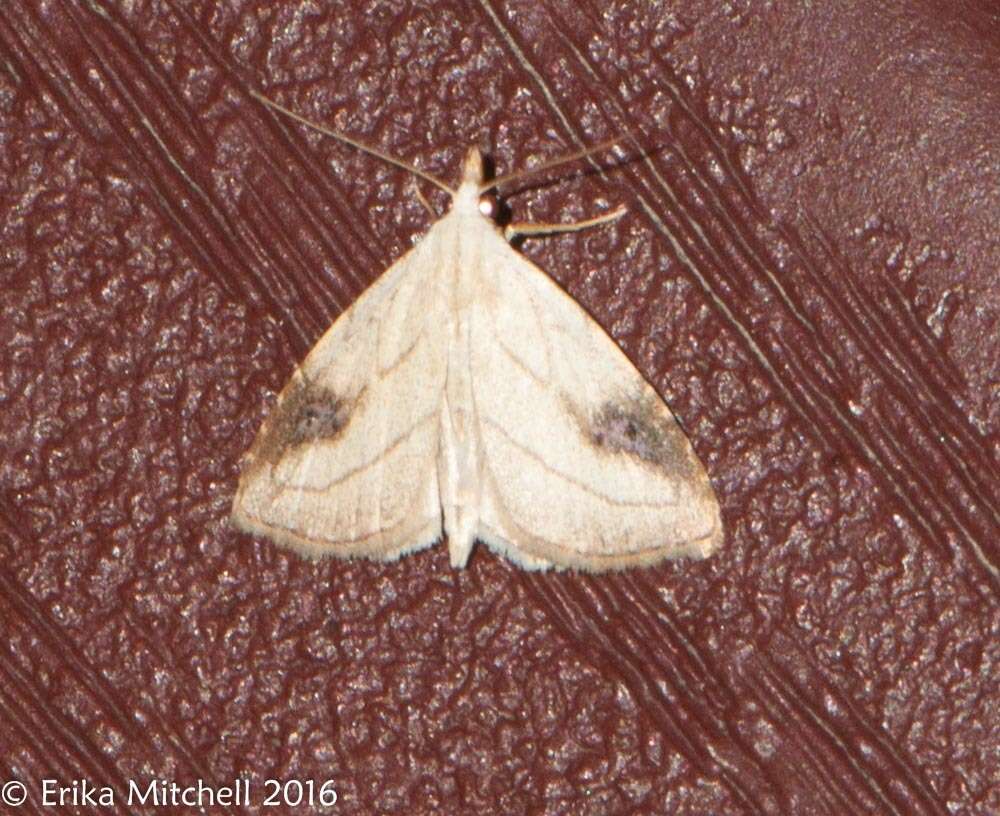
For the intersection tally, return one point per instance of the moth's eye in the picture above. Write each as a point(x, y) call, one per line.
point(488, 204)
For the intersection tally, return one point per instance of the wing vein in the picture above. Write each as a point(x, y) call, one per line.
point(569, 479)
point(399, 440)
point(402, 358)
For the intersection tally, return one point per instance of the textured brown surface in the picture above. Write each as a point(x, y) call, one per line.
point(809, 273)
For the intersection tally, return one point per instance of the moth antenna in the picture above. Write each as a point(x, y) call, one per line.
point(352, 142)
point(579, 154)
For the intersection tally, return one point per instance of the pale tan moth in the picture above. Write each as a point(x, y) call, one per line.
point(465, 394)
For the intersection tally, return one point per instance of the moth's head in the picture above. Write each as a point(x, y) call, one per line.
point(474, 193)
point(472, 168)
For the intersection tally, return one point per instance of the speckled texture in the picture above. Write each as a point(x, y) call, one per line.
point(808, 273)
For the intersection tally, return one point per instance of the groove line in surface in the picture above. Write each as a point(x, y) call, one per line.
point(20, 712)
point(881, 464)
point(856, 327)
point(203, 225)
point(361, 244)
point(967, 459)
point(635, 614)
point(47, 74)
point(169, 179)
point(25, 608)
point(817, 396)
point(804, 373)
point(65, 746)
point(786, 692)
point(362, 240)
point(680, 252)
point(707, 188)
point(578, 626)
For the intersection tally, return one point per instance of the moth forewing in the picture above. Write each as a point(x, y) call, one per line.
point(465, 393)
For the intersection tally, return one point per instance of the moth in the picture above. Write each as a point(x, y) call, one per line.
point(466, 395)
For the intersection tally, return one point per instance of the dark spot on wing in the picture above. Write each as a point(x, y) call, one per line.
point(304, 413)
point(640, 427)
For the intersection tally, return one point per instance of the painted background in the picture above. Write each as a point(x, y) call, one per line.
point(808, 273)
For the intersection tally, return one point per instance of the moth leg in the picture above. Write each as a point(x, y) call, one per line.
point(424, 201)
point(513, 230)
